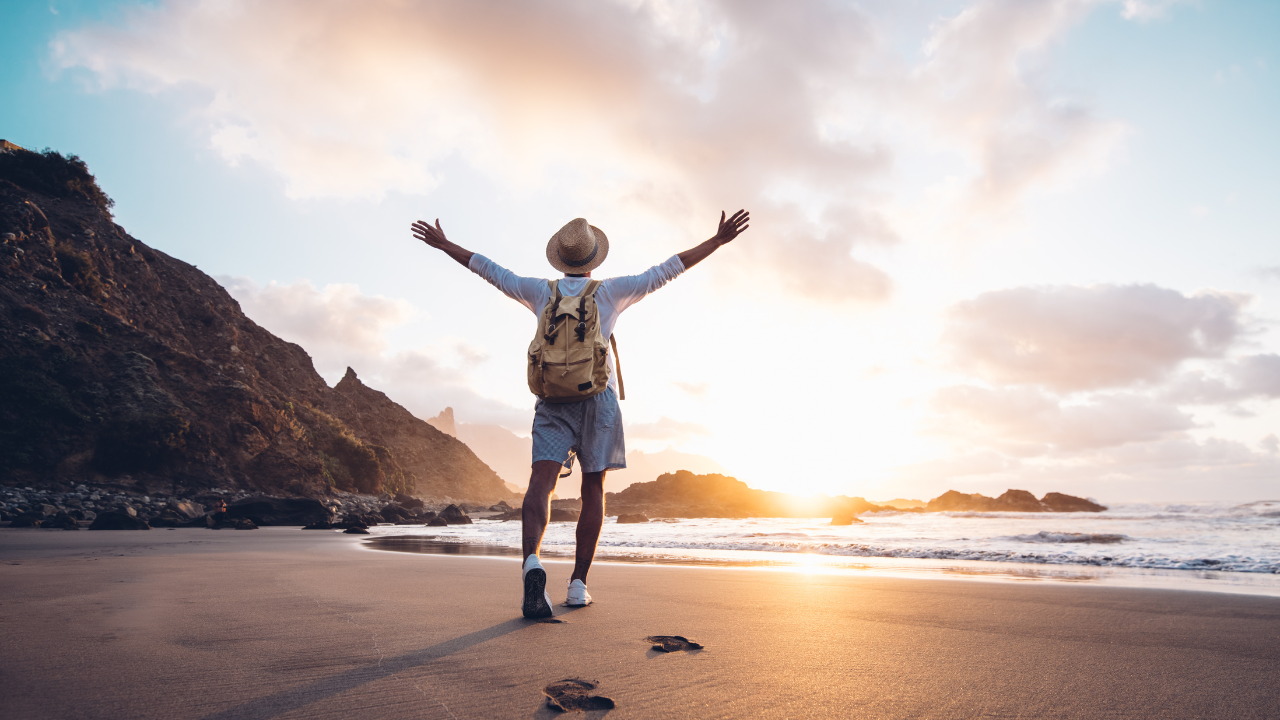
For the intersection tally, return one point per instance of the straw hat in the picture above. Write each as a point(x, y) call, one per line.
point(577, 248)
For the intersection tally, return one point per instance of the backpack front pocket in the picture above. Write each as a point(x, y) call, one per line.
point(571, 375)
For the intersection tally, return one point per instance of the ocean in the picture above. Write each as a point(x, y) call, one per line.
point(1215, 547)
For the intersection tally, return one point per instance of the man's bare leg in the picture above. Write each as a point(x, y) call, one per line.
point(537, 505)
point(589, 522)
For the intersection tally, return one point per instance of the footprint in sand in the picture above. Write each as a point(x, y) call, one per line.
point(574, 694)
point(672, 643)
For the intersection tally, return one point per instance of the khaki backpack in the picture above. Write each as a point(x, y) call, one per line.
point(567, 355)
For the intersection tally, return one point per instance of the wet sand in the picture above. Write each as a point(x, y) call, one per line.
point(284, 623)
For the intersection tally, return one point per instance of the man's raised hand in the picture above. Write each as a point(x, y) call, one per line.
point(434, 236)
point(729, 229)
point(733, 227)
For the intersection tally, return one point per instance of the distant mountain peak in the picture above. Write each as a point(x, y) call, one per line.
point(444, 422)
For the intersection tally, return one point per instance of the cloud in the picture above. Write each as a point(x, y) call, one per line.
point(1232, 381)
point(1172, 469)
point(795, 110)
point(1028, 421)
point(1143, 10)
point(1072, 338)
point(667, 430)
point(980, 84)
point(339, 315)
point(1271, 274)
point(697, 390)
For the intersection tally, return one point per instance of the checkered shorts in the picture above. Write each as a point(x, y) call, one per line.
point(591, 429)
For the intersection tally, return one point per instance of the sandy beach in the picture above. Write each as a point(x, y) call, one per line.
point(282, 623)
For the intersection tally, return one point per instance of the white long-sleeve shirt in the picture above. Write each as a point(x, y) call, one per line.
point(614, 296)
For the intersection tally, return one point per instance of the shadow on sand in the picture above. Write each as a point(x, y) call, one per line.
point(289, 700)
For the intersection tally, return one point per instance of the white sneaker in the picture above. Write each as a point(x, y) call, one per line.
point(537, 601)
point(578, 594)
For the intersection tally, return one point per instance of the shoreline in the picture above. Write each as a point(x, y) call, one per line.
point(282, 623)
point(1236, 583)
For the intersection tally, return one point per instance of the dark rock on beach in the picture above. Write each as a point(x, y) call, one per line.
point(845, 518)
point(562, 515)
point(355, 531)
point(437, 522)
point(454, 515)
point(574, 694)
point(626, 518)
point(118, 521)
point(280, 511)
point(408, 502)
point(393, 513)
point(27, 520)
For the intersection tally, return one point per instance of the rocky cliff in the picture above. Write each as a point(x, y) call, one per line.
point(120, 364)
point(685, 494)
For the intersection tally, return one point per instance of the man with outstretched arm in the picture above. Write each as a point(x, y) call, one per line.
point(575, 418)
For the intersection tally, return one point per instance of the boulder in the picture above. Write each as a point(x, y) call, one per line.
point(168, 518)
point(501, 507)
point(632, 518)
point(186, 509)
point(110, 520)
point(245, 524)
point(318, 526)
point(393, 513)
point(355, 531)
point(27, 520)
point(279, 511)
point(454, 515)
point(562, 515)
point(438, 522)
point(45, 510)
point(473, 507)
point(408, 502)
point(351, 520)
point(1058, 502)
point(1018, 501)
point(845, 518)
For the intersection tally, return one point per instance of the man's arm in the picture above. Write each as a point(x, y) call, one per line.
point(434, 236)
point(729, 229)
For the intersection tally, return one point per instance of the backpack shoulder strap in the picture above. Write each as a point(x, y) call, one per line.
point(622, 388)
point(548, 315)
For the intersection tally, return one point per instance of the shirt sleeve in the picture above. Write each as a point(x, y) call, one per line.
point(530, 292)
point(625, 291)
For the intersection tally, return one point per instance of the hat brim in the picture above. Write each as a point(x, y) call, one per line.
point(602, 252)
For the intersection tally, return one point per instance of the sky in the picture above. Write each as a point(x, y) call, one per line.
point(994, 244)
